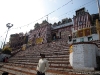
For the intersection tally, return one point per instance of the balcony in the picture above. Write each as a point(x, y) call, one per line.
point(62, 25)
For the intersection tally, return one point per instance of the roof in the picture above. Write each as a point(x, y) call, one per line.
point(62, 25)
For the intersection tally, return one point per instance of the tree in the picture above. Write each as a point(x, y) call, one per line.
point(59, 23)
point(6, 50)
point(37, 25)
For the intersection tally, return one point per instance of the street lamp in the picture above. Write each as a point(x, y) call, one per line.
point(98, 8)
point(9, 25)
point(1, 44)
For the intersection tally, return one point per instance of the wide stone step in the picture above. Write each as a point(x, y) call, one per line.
point(59, 56)
point(49, 56)
point(24, 71)
point(18, 70)
point(27, 71)
point(36, 60)
point(22, 59)
point(56, 71)
point(1, 71)
point(45, 51)
point(58, 59)
point(49, 52)
point(59, 62)
point(50, 62)
point(60, 68)
point(25, 63)
point(38, 57)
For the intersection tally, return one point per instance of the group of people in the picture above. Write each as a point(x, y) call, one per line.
point(42, 66)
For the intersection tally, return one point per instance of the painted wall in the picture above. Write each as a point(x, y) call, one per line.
point(94, 36)
point(65, 32)
point(98, 53)
point(82, 21)
point(44, 32)
point(83, 56)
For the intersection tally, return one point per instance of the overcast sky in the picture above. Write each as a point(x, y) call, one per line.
point(26, 12)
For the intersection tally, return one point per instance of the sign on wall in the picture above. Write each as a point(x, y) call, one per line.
point(24, 47)
point(30, 41)
point(39, 40)
point(71, 49)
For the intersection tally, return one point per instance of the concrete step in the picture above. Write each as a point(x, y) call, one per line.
point(18, 70)
point(1, 72)
point(36, 60)
point(59, 62)
point(22, 59)
point(27, 71)
point(58, 59)
point(56, 71)
point(38, 57)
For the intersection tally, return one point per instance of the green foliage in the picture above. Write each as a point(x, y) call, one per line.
point(6, 50)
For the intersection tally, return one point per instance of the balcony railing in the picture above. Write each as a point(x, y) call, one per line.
point(62, 25)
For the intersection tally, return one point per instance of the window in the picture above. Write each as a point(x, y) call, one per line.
point(81, 39)
point(74, 41)
point(70, 38)
point(34, 35)
point(39, 34)
point(74, 35)
point(90, 38)
point(80, 23)
point(78, 13)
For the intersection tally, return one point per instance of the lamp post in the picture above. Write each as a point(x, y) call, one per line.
point(98, 8)
point(1, 44)
point(9, 25)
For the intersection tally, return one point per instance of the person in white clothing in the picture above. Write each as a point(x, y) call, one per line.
point(42, 66)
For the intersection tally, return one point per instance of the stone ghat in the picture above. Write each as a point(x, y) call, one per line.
point(16, 69)
point(57, 53)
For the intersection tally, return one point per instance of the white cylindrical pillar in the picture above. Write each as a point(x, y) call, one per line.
point(83, 56)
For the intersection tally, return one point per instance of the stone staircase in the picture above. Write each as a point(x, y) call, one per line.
point(57, 53)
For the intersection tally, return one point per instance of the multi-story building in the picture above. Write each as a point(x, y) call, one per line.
point(62, 30)
point(17, 40)
point(14, 39)
point(46, 32)
point(41, 33)
point(84, 28)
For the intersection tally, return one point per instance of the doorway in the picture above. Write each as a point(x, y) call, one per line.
point(54, 36)
point(60, 35)
point(98, 63)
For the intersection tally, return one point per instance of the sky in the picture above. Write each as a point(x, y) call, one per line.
point(24, 14)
